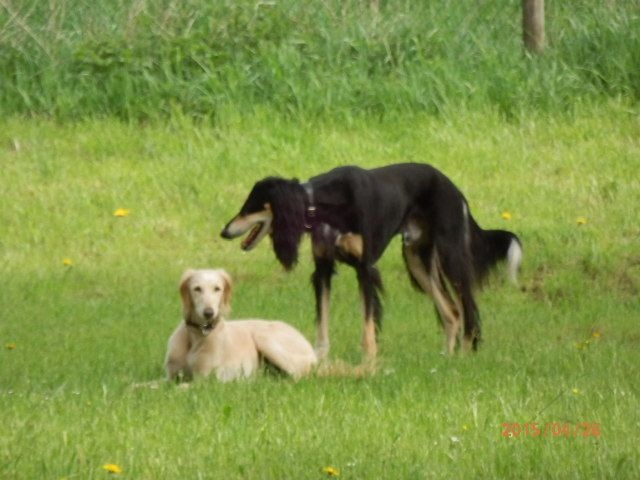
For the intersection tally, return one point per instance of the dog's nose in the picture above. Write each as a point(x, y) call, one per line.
point(208, 313)
point(225, 233)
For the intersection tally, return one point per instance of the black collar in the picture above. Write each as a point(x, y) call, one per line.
point(310, 210)
point(205, 329)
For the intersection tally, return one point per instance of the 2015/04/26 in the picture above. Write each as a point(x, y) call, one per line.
point(555, 429)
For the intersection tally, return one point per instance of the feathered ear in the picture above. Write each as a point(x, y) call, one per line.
point(287, 204)
point(187, 304)
point(227, 292)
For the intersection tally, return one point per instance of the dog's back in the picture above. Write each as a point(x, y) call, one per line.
point(411, 190)
point(440, 200)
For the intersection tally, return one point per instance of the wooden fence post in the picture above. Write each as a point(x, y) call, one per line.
point(533, 25)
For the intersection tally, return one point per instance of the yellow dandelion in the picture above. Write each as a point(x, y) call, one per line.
point(331, 471)
point(581, 221)
point(67, 262)
point(121, 212)
point(583, 345)
point(505, 215)
point(465, 427)
point(575, 391)
point(596, 334)
point(10, 346)
point(112, 468)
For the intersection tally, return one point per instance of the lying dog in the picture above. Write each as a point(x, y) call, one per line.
point(204, 342)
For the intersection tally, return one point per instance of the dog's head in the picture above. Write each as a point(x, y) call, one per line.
point(274, 206)
point(206, 298)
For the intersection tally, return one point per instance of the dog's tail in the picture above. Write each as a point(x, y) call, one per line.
point(488, 247)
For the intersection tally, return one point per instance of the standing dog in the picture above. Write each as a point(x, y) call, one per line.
point(205, 342)
point(352, 214)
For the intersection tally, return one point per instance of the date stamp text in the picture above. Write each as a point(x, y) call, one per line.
point(551, 429)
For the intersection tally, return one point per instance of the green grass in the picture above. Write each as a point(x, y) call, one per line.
point(148, 59)
point(86, 335)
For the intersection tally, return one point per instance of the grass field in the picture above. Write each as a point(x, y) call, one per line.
point(89, 299)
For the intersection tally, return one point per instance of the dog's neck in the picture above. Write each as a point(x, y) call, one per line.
point(202, 329)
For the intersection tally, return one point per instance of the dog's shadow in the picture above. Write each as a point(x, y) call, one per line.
point(334, 368)
point(340, 369)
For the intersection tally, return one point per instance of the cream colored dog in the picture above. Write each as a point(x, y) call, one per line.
point(205, 342)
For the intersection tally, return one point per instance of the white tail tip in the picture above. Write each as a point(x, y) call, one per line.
point(514, 259)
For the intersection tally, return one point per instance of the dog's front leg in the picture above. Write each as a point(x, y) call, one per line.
point(370, 283)
point(321, 279)
point(175, 362)
point(173, 367)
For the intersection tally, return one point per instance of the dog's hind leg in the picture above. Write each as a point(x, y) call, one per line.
point(471, 317)
point(321, 279)
point(425, 270)
point(450, 310)
point(370, 284)
point(456, 276)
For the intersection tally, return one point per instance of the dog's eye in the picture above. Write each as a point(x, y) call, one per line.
point(197, 289)
point(216, 289)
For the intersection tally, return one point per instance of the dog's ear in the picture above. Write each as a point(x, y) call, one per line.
point(187, 304)
point(287, 205)
point(226, 294)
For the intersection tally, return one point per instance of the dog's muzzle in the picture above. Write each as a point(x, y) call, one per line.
point(226, 234)
point(258, 224)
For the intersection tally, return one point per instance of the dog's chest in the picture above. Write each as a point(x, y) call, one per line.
point(204, 355)
point(226, 355)
point(329, 242)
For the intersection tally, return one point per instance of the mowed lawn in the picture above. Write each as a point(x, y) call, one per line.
point(89, 298)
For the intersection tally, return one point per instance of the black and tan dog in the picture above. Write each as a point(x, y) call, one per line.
point(352, 214)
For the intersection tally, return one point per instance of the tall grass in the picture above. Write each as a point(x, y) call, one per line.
point(142, 59)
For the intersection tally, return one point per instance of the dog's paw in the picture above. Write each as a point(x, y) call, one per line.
point(322, 350)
